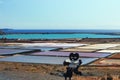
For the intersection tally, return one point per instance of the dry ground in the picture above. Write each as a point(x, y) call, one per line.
point(27, 71)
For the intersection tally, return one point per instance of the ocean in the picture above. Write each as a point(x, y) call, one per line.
point(58, 31)
point(59, 34)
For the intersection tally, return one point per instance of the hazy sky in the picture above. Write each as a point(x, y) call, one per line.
point(60, 14)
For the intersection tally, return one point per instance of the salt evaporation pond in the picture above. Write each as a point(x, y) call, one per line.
point(9, 47)
point(54, 45)
point(99, 46)
point(12, 51)
point(54, 53)
point(29, 48)
point(110, 51)
point(42, 59)
point(40, 48)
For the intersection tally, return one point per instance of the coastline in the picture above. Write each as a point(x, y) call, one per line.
point(73, 40)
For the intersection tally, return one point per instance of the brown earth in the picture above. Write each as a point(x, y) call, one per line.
point(84, 40)
point(115, 56)
point(29, 71)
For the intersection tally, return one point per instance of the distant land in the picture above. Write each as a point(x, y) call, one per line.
point(36, 31)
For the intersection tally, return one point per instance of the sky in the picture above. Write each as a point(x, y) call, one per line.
point(60, 14)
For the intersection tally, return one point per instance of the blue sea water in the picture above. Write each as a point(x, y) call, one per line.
point(57, 36)
point(57, 31)
point(60, 34)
